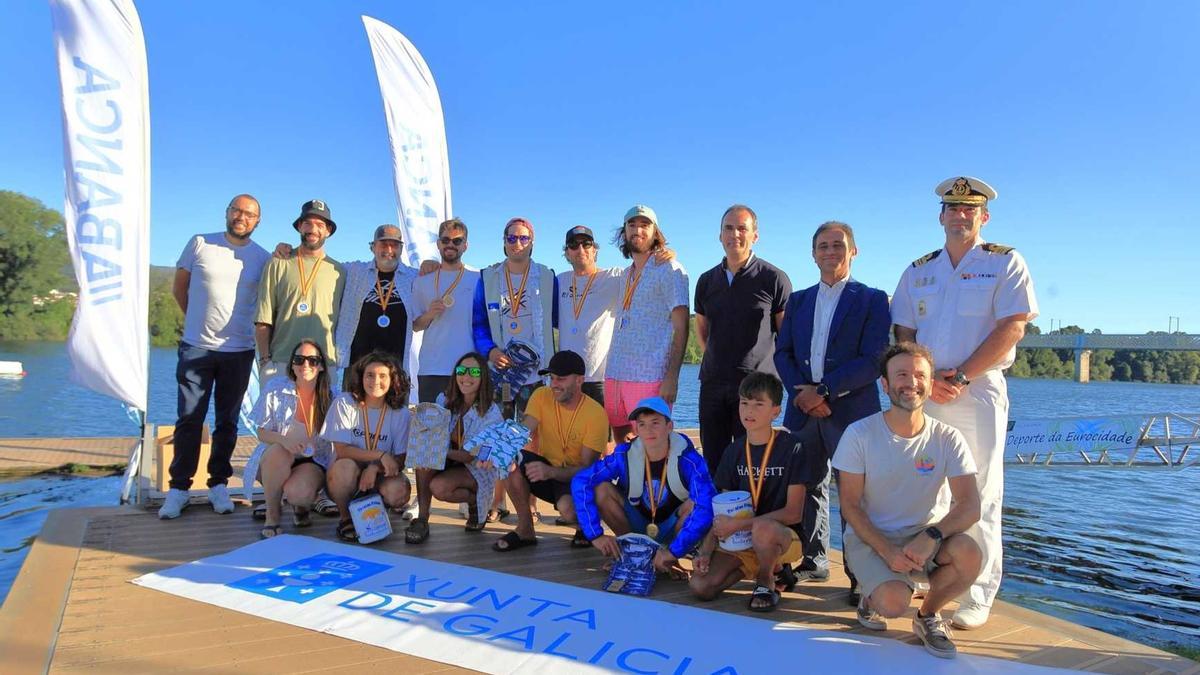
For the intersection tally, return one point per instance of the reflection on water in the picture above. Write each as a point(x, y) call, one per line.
point(1113, 549)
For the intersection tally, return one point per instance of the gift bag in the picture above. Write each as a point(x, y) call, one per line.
point(634, 573)
point(428, 437)
point(499, 444)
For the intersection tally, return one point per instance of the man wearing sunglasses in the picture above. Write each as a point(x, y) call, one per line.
point(216, 286)
point(587, 298)
point(442, 302)
point(515, 303)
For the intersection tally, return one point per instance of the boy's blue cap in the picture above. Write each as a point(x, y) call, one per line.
point(653, 404)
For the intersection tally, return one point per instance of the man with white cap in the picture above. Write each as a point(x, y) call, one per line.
point(651, 330)
point(969, 302)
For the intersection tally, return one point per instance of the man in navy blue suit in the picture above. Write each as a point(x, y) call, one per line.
point(827, 355)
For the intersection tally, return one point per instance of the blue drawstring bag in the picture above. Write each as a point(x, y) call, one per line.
point(634, 573)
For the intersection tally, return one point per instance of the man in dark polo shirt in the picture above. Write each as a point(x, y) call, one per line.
point(739, 306)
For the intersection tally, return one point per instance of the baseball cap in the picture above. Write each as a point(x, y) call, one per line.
point(388, 231)
point(580, 231)
point(655, 404)
point(318, 208)
point(565, 362)
point(641, 210)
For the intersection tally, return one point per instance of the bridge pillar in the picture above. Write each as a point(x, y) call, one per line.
point(1083, 365)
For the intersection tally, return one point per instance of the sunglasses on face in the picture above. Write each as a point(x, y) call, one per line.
point(514, 238)
point(457, 241)
point(314, 361)
point(473, 371)
point(576, 244)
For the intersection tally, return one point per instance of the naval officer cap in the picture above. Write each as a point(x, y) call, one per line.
point(964, 190)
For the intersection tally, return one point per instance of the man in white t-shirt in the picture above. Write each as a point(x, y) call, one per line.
point(216, 286)
point(587, 299)
point(903, 525)
point(443, 306)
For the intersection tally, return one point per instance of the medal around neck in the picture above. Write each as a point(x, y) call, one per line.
point(383, 321)
point(302, 307)
point(448, 300)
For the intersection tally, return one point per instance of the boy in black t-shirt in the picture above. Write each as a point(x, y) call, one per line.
point(771, 465)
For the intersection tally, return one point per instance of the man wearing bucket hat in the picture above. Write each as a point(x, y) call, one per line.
point(299, 295)
point(651, 330)
point(376, 308)
point(570, 431)
point(770, 468)
point(969, 302)
point(656, 485)
point(515, 302)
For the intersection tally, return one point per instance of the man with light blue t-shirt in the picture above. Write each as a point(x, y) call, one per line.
point(216, 286)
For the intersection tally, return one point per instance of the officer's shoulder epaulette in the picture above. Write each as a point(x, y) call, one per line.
point(998, 249)
point(926, 258)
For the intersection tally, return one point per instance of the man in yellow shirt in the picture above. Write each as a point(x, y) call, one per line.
point(570, 430)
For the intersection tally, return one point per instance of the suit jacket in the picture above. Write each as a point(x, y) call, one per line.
point(858, 336)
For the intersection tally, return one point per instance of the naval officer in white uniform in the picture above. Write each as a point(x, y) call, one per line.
point(969, 302)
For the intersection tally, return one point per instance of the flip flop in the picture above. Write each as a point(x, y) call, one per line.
point(259, 512)
point(273, 531)
point(325, 506)
point(301, 517)
point(473, 524)
point(512, 541)
point(785, 578)
point(346, 532)
point(762, 593)
point(416, 532)
point(497, 515)
point(580, 541)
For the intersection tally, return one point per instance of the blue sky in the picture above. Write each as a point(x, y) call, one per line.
point(1082, 115)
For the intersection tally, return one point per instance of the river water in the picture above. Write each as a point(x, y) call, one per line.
point(1114, 549)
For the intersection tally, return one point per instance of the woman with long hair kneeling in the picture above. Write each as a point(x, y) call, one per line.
point(292, 458)
point(368, 426)
point(469, 400)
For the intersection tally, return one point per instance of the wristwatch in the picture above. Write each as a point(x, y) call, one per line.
point(934, 533)
point(960, 378)
point(822, 390)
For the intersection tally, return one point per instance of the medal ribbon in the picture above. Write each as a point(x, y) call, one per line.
point(307, 417)
point(564, 435)
point(662, 486)
point(306, 284)
point(456, 438)
point(437, 282)
point(631, 284)
point(385, 294)
point(756, 486)
point(514, 299)
point(372, 441)
point(577, 303)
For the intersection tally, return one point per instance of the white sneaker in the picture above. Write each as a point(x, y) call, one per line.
point(174, 504)
point(218, 496)
point(970, 615)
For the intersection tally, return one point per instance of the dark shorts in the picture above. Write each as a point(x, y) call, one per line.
point(306, 460)
point(546, 490)
point(429, 386)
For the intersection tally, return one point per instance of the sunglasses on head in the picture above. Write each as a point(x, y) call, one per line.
point(514, 238)
point(314, 361)
point(586, 243)
point(457, 241)
point(473, 371)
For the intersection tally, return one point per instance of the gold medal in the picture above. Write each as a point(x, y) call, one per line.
point(652, 530)
point(448, 300)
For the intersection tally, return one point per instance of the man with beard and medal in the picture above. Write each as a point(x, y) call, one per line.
point(216, 286)
point(299, 294)
point(515, 303)
point(907, 487)
point(375, 305)
point(442, 305)
point(651, 330)
point(656, 485)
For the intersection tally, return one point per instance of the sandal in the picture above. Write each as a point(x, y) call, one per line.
point(497, 515)
point(537, 517)
point(324, 506)
point(301, 517)
point(473, 524)
point(417, 531)
point(580, 541)
point(785, 578)
point(564, 522)
point(269, 531)
point(259, 512)
point(513, 541)
point(763, 594)
point(346, 532)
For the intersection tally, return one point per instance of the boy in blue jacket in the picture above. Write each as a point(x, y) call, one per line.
point(657, 485)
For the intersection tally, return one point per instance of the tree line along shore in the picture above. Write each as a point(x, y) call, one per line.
point(37, 301)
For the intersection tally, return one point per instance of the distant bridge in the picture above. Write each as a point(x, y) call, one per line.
point(1084, 343)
